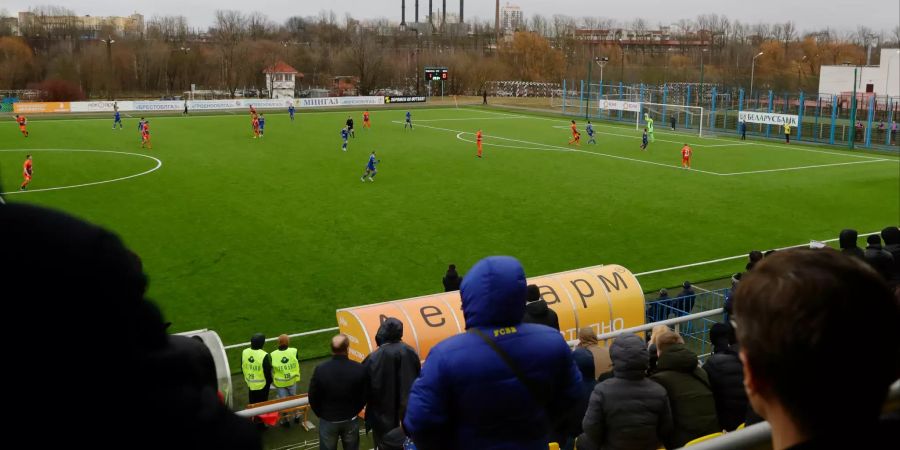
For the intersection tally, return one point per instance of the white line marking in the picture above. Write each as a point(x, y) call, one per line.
point(158, 165)
point(729, 258)
point(806, 167)
point(574, 150)
point(472, 118)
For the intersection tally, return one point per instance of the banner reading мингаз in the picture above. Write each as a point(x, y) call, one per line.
point(605, 298)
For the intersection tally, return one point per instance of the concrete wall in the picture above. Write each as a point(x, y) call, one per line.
point(885, 77)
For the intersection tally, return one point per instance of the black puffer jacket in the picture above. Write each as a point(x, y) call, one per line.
point(538, 312)
point(880, 259)
point(627, 411)
point(847, 240)
point(726, 378)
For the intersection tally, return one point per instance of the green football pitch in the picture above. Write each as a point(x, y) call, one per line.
point(242, 235)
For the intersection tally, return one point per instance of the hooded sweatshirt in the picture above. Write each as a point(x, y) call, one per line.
point(467, 397)
point(627, 411)
point(847, 240)
point(688, 388)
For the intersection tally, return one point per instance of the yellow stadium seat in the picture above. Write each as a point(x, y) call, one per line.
point(742, 426)
point(554, 446)
point(703, 439)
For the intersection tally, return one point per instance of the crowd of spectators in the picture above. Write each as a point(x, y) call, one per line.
point(510, 381)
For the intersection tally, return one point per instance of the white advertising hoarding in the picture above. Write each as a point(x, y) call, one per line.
point(768, 118)
point(619, 105)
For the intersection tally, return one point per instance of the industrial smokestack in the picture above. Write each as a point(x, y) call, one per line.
point(417, 11)
point(444, 15)
point(461, 11)
point(402, 13)
point(430, 13)
point(497, 21)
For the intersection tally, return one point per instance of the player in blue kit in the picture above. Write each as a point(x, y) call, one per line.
point(370, 169)
point(262, 125)
point(644, 140)
point(408, 121)
point(590, 132)
point(345, 134)
point(117, 120)
point(291, 111)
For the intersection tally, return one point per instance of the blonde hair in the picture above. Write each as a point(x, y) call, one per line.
point(668, 339)
point(656, 331)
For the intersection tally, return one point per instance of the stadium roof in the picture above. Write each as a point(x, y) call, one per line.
point(280, 67)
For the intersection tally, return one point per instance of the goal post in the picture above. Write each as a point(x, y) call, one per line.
point(629, 108)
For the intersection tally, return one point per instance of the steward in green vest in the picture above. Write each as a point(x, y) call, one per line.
point(256, 365)
point(285, 368)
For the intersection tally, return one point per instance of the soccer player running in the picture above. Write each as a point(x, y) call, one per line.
point(26, 173)
point(252, 110)
point(145, 136)
point(141, 128)
point(366, 122)
point(350, 126)
point(345, 134)
point(478, 138)
point(644, 140)
point(649, 128)
point(254, 123)
point(408, 121)
point(22, 121)
point(370, 169)
point(686, 153)
point(262, 125)
point(590, 132)
point(117, 119)
point(291, 111)
point(576, 136)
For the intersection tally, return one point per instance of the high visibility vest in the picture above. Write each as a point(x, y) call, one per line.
point(285, 368)
point(252, 366)
point(787, 128)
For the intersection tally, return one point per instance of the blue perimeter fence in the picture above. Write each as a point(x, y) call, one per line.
point(694, 332)
point(871, 121)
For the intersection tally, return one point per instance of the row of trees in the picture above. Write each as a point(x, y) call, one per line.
point(167, 56)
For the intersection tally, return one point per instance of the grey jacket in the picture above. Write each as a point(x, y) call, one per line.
point(627, 411)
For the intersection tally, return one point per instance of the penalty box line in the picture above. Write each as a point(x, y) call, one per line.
point(550, 147)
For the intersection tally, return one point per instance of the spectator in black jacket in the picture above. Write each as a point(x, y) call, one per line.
point(337, 393)
point(537, 311)
point(627, 411)
point(847, 242)
point(452, 280)
point(686, 298)
point(877, 257)
point(789, 372)
point(726, 378)
point(659, 309)
point(891, 238)
point(391, 370)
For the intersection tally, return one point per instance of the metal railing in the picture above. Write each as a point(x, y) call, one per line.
point(677, 321)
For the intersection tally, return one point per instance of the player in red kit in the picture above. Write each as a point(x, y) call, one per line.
point(478, 140)
point(145, 136)
point(252, 111)
point(255, 123)
point(22, 121)
point(26, 173)
point(576, 136)
point(366, 122)
point(686, 153)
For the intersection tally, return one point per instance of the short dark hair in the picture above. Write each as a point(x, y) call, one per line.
point(829, 294)
point(756, 255)
point(452, 267)
point(873, 239)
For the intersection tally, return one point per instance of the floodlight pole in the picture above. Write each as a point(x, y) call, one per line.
point(752, 69)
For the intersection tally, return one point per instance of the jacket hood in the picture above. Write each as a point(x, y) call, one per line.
point(847, 238)
point(629, 357)
point(891, 235)
point(678, 358)
point(538, 308)
point(390, 331)
point(493, 292)
point(257, 341)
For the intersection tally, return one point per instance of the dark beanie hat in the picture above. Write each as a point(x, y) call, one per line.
point(873, 239)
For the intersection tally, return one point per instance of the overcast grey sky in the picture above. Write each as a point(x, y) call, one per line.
point(806, 14)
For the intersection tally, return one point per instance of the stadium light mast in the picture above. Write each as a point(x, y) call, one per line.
point(752, 69)
point(700, 94)
point(109, 41)
point(853, 105)
point(601, 61)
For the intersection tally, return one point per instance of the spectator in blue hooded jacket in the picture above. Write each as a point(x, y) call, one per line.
point(467, 397)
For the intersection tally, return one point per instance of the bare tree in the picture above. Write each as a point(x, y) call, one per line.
point(229, 29)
